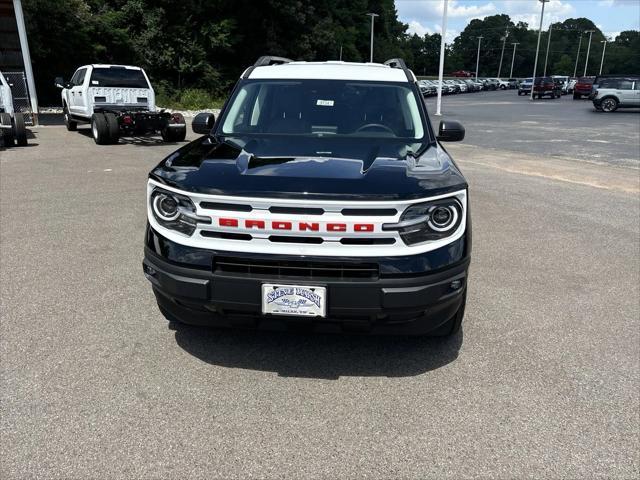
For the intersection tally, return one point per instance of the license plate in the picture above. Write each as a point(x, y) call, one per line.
point(297, 300)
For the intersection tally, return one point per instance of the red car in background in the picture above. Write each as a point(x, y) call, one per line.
point(461, 73)
point(582, 87)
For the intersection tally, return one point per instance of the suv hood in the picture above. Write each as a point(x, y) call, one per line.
point(205, 166)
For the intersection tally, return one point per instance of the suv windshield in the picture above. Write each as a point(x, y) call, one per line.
point(118, 77)
point(324, 109)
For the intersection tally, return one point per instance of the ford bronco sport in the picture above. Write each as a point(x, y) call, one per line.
point(320, 199)
point(116, 100)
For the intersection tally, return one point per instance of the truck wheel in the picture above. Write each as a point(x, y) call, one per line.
point(576, 96)
point(454, 324)
point(609, 105)
point(20, 130)
point(71, 125)
point(113, 127)
point(7, 130)
point(100, 129)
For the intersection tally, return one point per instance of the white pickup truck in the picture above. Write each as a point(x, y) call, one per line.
point(116, 100)
point(12, 128)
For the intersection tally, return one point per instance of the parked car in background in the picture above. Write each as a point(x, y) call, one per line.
point(503, 84)
point(472, 86)
point(461, 73)
point(583, 87)
point(545, 86)
point(462, 85)
point(12, 126)
point(491, 83)
point(612, 93)
point(562, 81)
point(513, 83)
point(525, 86)
point(571, 85)
point(453, 85)
point(427, 88)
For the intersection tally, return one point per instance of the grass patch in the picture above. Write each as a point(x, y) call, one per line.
point(188, 99)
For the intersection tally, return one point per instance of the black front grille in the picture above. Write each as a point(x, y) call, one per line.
point(296, 268)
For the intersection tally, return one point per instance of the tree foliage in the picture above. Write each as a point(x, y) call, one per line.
point(206, 44)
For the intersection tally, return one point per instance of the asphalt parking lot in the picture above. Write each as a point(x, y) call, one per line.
point(544, 382)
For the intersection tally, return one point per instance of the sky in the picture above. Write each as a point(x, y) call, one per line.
point(425, 16)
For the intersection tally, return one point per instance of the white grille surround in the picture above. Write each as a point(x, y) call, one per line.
point(335, 230)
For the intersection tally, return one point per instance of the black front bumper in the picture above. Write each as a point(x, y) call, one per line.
point(411, 305)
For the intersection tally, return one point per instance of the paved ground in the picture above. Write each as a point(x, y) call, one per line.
point(548, 128)
point(544, 383)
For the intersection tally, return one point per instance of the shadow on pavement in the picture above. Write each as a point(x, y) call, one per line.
point(318, 356)
point(139, 141)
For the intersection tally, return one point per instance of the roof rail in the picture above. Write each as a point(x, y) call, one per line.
point(399, 63)
point(265, 61)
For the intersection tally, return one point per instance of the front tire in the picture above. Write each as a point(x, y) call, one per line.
point(609, 105)
point(20, 130)
point(100, 129)
point(71, 125)
point(7, 130)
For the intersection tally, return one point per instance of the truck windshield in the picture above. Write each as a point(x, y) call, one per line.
point(118, 77)
point(325, 109)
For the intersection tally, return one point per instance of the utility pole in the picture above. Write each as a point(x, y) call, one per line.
point(575, 69)
point(340, 52)
point(442, 47)
point(513, 59)
point(535, 63)
point(26, 59)
point(546, 57)
point(372, 15)
point(586, 62)
point(504, 40)
point(478, 57)
point(604, 47)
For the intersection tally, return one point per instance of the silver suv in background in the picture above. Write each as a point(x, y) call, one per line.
point(611, 93)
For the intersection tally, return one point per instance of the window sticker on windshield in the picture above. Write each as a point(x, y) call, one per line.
point(324, 103)
point(94, 82)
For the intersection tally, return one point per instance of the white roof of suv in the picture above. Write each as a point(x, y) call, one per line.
point(332, 70)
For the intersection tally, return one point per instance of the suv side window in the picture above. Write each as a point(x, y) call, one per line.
point(74, 78)
point(79, 76)
point(625, 85)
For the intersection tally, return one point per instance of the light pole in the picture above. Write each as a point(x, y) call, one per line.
point(604, 47)
point(535, 63)
point(478, 57)
point(546, 57)
point(504, 40)
point(586, 62)
point(575, 69)
point(372, 15)
point(442, 45)
point(513, 59)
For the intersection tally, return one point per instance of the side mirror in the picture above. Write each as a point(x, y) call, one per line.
point(203, 123)
point(59, 82)
point(450, 131)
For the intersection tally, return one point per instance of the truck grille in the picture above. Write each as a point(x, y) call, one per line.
point(295, 268)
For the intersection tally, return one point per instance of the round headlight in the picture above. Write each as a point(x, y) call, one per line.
point(442, 218)
point(166, 207)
